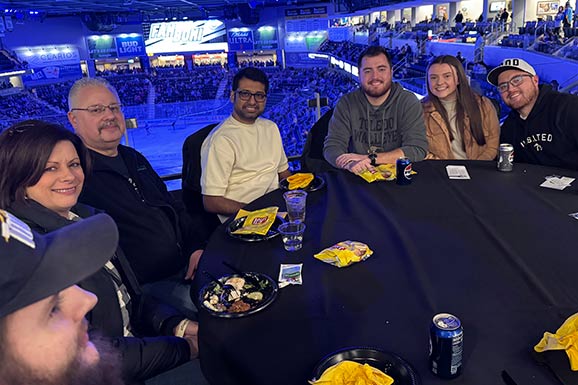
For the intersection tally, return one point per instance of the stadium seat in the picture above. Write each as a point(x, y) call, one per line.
point(191, 180)
point(312, 159)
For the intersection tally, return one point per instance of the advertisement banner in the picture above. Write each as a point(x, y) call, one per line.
point(186, 36)
point(266, 38)
point(45, 55)
point(305, 59)
point(101, 47)
point(240, 40)
point(54, 62)
point(54, 72)
point(303, 13)
point(130, 45)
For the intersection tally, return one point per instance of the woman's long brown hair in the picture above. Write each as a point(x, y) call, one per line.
point(467, 101)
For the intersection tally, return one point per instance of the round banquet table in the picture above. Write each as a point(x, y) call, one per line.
point(498, 251)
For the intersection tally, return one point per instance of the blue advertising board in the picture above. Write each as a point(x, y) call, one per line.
point(306, 59)
point(54, 72)
point(266, 38)
point(101, 47)
point(50, 63)
point(130, 45)
point(240, 40)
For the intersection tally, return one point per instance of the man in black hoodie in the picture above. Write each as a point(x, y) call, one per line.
point(162, 243)
point(543, 124)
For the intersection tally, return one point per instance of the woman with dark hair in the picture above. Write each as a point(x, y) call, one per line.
point(460, 124)
point(42, 169)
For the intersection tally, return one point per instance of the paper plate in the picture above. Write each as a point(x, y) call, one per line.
point(268, 287)
point(238, 223)
point(316, 184)
point(389, 363)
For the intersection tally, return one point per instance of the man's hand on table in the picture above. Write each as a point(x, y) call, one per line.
point(193, 263)
point(355, 163)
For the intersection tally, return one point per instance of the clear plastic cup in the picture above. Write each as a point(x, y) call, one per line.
point(292, 235)
point(296, 201)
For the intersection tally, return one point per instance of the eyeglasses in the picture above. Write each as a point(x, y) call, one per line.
point(514, 82)
point(99, 109)
point(246, 95)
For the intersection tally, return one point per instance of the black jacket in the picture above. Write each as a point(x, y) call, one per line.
point(143, 358)
point(549, 135)
point(156, 234)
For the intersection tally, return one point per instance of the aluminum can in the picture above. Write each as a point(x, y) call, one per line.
point(446, 345)
point(506, 157)
point(403, 171)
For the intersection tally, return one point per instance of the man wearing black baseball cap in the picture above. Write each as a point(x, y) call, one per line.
point(43, 332)
point(542, 125)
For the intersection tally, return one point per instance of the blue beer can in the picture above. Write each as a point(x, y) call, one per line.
point(446, 346)
point(403, 171)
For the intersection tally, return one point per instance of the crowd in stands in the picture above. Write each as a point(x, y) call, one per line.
point(290, 89)
point(5, 84)
point(252, 62)
point(23, 104)
point(345, 50)
point(56, 94)
point(293, 115)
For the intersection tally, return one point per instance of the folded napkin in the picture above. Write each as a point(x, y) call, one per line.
point(256, 222)
point(345, 253)
point(300, 180)
point(565, 338)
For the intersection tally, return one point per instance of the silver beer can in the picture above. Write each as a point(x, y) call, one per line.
point(506, 157)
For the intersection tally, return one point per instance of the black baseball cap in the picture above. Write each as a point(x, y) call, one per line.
point(34, 266)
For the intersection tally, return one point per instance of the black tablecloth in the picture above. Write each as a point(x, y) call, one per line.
point(498, 251)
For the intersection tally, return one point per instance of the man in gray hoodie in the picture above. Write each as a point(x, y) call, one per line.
point(377, 123)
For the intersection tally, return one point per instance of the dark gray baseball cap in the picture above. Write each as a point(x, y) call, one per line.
point(34, 266)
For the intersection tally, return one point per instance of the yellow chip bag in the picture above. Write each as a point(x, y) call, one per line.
point(345, 253)
point(382, 172)
point(256, 222)
point(353, 373)
point(300, 180)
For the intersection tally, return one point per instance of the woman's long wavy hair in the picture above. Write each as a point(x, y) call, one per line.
point(467, 101)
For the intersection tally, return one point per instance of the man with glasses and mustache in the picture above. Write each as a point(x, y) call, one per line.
point(377, 123)
point(43, 332)
point(161, 241)
point(542, 125)
point(243, 157)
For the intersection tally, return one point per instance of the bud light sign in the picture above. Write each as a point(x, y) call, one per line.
point(130, 45)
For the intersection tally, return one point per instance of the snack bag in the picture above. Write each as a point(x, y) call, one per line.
point(300, 180)
point(345, 253)
point(565, 338)
point(382, 172)
point(257, 222)
point(350, 372)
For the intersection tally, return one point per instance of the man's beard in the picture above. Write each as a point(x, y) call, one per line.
point(107, 371)
point(376, 93)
